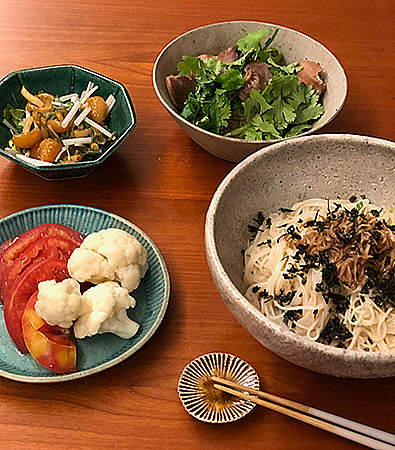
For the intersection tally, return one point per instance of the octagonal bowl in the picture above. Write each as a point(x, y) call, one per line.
point(61, 80)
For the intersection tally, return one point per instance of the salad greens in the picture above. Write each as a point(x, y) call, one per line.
point(15, 117)
point(63, 129)
point(285, 108)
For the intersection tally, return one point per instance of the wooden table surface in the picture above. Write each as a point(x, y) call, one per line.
point(163, 182)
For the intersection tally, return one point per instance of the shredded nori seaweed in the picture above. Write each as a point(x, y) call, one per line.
point(335, 331)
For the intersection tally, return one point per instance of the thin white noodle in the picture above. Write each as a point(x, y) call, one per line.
point(268, 257)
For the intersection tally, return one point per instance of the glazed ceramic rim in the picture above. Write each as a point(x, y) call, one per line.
point(241, 141)
point(198, 367)
point(237, 297)
point(134, 348)
point(83, 164)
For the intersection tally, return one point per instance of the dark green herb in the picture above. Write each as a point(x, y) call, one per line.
point(15, 117)
point(330, 277)
point(264, 295)
point(292, 316)
point(286, 210)
point(375, 213)
point(285, 298)
point(253, 230)
point(285, 108)
point(259, 220)
point(335, 331)
point(385, 288)
point(340, 302)
point(268, 242)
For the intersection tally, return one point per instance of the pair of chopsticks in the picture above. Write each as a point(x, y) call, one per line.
point(354, 431)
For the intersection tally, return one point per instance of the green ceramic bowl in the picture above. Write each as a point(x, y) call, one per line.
point(61, 80)
point(102, 351)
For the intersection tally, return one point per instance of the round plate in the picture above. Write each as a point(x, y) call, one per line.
point(206, 403)
point(102, 351)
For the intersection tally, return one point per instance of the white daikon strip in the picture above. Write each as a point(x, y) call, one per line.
point(82, 116)
point(65, 98)
point(87, 94)
point(70, 115)
point(13, 151)
point(11, 127)
point(102, 130)
point(59, 155)
point(35, 162)
point(110, 102)
point(77, 141)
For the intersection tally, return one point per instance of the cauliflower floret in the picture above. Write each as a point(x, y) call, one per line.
point(106, 306)
point(109, 255)
point(59, 303)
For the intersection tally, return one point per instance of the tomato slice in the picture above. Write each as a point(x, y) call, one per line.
point(46, 247)
point(6, 244)
point(3, 248)
point(51, 346)
point(23, 288)
point(18, 247)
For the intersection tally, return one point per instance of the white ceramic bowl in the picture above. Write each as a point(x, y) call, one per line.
point(211, 39)
point(279, 176)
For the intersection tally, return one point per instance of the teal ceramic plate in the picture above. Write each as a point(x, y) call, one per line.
point(61, 80)
point(98, 352)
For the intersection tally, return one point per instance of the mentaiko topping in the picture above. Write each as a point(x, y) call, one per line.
point(327, 270)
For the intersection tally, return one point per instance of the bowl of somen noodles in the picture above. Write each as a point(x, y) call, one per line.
point(300, 241)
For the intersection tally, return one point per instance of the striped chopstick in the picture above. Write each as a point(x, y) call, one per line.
point(354, 431)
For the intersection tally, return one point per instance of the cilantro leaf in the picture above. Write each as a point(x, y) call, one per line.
point(298, 129)
point(253, 134)
point(209, 68)
point(277, 68)
point(285, 108)
point(220, 112)
point(252, 41)
point(187, 65)
point(215, 114)
point(297, 94)
point(255, 104)
point(231, 80)
point(266, 126)
point(282, 113)
point(311, 110)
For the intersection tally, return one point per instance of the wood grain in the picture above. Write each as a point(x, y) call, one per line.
point(163, 182)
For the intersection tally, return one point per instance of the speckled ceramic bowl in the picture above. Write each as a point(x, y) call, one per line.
point(323, 166)
point(212, 39)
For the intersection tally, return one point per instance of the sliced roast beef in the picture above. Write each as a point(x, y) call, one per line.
point(229, 55)
point(205, 56)
point(257, 75)
point(178, 88)
point(310, 75)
